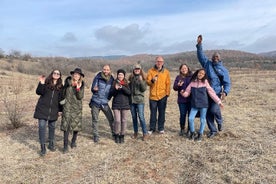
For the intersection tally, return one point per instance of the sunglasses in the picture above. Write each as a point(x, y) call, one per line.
point(56, 73)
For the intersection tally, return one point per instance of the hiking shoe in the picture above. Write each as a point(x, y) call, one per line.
point(212, 135)
point(73, 145)
point(134, 136)
point(192, 136)
point(220, 127)
point(199, 138)
point(96, 139)
point(145, 137)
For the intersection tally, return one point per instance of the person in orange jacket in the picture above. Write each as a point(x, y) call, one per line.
point(158, 79)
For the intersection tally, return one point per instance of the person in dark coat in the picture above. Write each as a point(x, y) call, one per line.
point(47, 108)
point(73, 93)
point(180, 83)
point(120, 92)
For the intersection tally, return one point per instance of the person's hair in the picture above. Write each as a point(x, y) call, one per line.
point(216, 54)
point(142, 73)
point(189, 70)
point(50, 81)
point(194, 77)
point(106, 65)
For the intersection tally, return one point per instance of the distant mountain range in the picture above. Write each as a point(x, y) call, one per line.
point(269, 54)
point(228, 53)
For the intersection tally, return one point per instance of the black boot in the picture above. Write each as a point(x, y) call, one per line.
point(199, 138)
point(192, 136)
point(65, 142)
point(73, 141)
point(122, 139)
point(51, 136)
point(51, 146)
point(43, 150)
point(116, 137)
point(182, 132)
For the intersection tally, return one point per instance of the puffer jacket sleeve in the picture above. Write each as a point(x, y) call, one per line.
point(202, 58)
point(212, 93)
point(41, 89)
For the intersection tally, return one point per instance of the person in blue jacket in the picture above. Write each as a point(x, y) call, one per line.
point(99, 102)
point(220, 82)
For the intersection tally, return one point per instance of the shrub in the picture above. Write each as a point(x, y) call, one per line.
point(14, 110)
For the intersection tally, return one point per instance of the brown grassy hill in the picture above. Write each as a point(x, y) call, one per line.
point(243, 153)
point(230, 58)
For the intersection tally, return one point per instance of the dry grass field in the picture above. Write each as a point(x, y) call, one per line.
point(245, 152)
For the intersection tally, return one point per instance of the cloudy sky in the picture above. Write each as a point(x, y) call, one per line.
point(74, 28)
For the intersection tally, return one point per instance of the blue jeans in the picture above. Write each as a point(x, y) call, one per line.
point(202, 119)
point(42, 130)
point(184, 109)
point(138, 110)
point(213, 114)
point(159, 105)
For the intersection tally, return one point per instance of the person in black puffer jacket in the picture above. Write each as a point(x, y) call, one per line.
point(120, 92)
point(48, 108)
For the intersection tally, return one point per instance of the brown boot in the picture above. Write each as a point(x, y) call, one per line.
point(145, 137)
point(135, 135)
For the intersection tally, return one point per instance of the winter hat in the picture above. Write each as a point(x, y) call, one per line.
point(137, 66)
point(77, 70)
point(121, 71)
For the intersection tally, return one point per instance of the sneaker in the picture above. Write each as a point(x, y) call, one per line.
point(150, 132)
point(161, 132)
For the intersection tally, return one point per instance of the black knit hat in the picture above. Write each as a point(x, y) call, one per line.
point(121, 71)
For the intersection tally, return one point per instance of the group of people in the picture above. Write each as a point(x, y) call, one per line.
point(57, 100)
point(201, 92)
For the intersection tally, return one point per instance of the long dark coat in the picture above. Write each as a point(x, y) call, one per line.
point(72, 109)
point(47, 106)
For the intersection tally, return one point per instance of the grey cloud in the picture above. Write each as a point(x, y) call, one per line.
point(121, 37)
point(263, 44)
point(69, 37)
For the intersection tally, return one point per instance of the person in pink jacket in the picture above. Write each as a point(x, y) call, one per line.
point(199, 89)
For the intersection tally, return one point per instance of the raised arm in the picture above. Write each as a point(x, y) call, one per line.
point(202, 58)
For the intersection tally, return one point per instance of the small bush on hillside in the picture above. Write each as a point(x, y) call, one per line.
point(14, 110)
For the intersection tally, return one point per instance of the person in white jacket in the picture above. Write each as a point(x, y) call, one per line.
point(199, 89)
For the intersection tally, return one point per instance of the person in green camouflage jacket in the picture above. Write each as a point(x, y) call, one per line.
point(73, 93)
